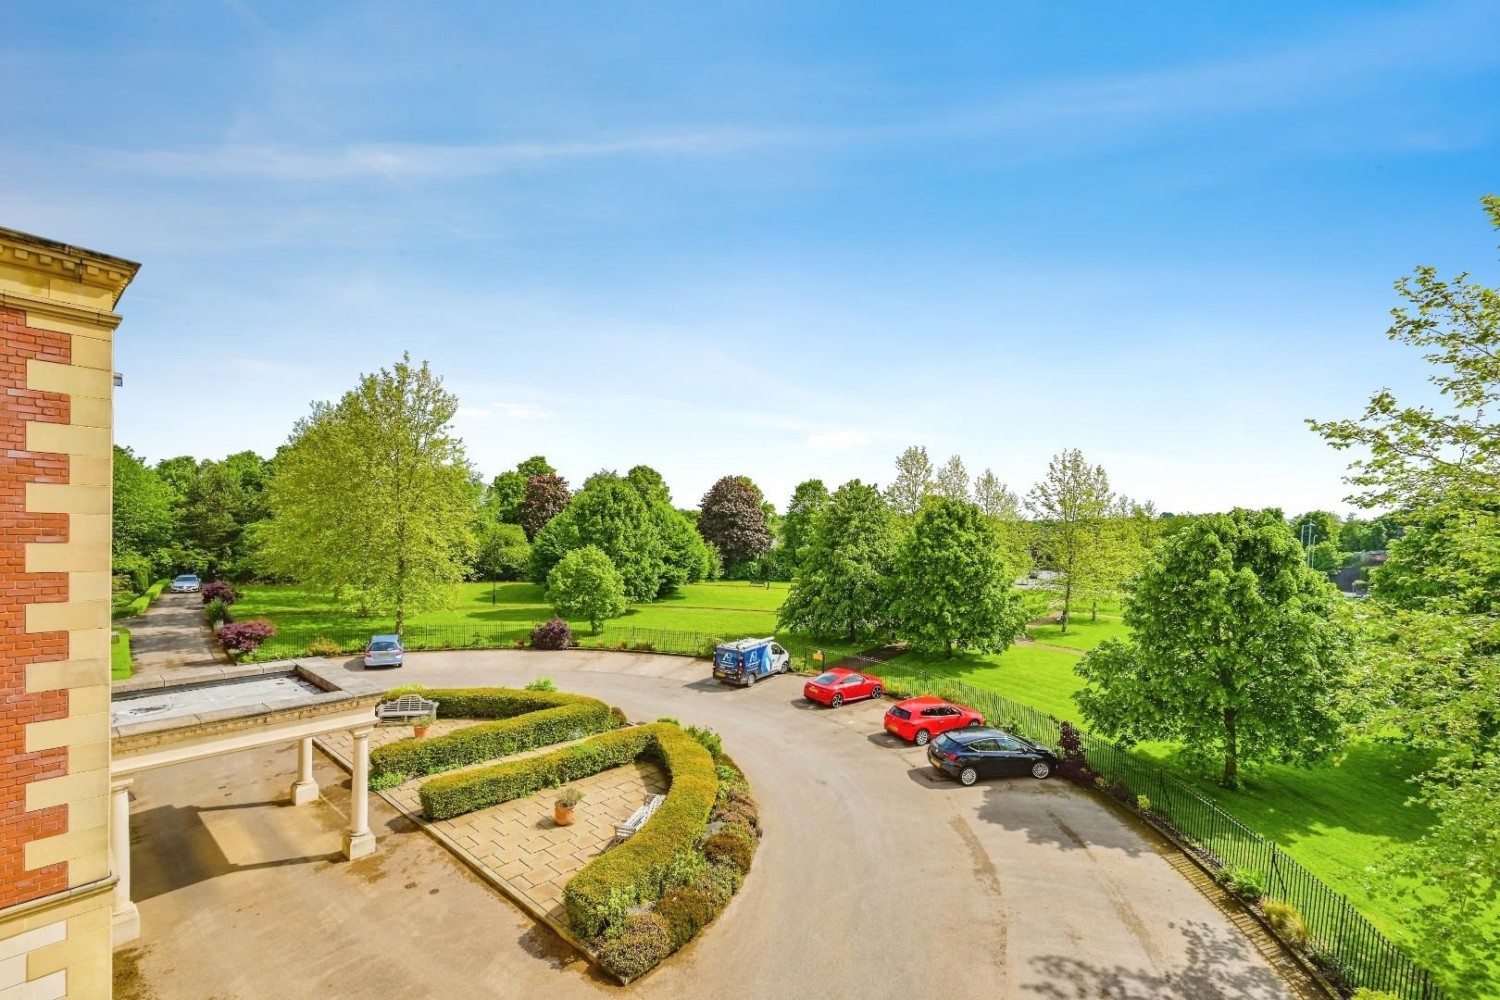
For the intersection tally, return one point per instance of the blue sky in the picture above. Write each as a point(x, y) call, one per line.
point(781, 240)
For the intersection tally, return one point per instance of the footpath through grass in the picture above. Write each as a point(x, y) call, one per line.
point(1338, 819)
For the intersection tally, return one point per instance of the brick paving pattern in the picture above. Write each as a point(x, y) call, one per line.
point(518, 842)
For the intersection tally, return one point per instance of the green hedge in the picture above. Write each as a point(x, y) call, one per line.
point(525, 720)
point(638, 871)
point(141, 603)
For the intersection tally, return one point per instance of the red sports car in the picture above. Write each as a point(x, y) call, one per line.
point(918, 720)
point(840, 684)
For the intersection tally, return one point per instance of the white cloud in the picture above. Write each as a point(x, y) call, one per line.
point(839, 440)
point(472, 413)
point(522, 411)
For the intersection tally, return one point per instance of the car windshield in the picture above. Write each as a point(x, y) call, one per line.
point(383, 646)
point(826, 679)
point(900, 713)
point(187, 579)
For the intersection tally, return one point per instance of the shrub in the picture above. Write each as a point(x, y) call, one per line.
point(1120, 790)
point(1249, 885)
point(687, 910)
point(711, 740)
point(1143, 803)
point(245, 637)
point(1073, 765)
point(569, 797)
point(740, 815)
point(524, 720)
point(645, 646)
point(381, 782)
point(554, 634)
point(645, 941)
point(1365, 993)
point(216, 612)
point(734, 844)
point(541, 684)
point(141, 603)
point(1285, 920)
point(218, 590)
point(323, 647)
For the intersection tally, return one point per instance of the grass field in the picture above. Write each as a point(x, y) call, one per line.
point(119, 654)
point(1338, 819)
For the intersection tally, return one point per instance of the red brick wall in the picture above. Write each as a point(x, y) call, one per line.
point(18, 342)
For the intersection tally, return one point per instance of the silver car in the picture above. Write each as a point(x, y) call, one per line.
point(384, 651)
point(187, 583)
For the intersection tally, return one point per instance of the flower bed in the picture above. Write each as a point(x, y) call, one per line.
point(524, 720)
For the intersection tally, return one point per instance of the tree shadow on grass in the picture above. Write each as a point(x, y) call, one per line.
point(1219, 965)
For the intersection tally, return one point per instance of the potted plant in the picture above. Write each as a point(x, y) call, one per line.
point(422, 723)
point(562, 809)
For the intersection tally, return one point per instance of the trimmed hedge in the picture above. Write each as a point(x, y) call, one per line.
point(525, 720)
point(638, 871)
point(141, 603)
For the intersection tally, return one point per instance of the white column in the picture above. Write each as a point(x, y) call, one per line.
point(126, 919)
point(359, 841)
point(304, 789)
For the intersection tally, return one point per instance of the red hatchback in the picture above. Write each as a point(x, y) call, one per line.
point(837, 685)
point(918, 720)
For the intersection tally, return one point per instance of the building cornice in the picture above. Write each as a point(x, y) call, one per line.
point(63, 261)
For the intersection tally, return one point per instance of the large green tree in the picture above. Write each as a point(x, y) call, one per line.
point(144, 514)
point(504, 496)
point(585, 584)
point(733, 520)
point(1237, 651)
point(953, 589)
point(1071, 504)
point(913, 483)
point(843, 587)
point(372, 498)
point(808, 500)
point(611, 515)
point(1434, 615)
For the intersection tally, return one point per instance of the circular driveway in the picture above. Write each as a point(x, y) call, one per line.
point(875, 880)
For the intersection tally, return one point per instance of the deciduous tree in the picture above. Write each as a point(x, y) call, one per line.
point(843, 587)
point(372, 498)
point(952, 480)
point(913, 482)
point(1238, 651)
point(953, 589)
point(586, 585)
point(1071, 503)
point(733, 520)
point(808, 500)
point(546, 496)
point(610, 515)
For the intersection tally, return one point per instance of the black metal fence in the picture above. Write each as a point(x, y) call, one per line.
point(1340, 940)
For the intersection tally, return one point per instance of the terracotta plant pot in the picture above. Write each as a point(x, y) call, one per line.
point(421, 732)
point(563, 814)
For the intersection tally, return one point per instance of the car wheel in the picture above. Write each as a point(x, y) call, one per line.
point(1041, 769)
point(838, 700)
point(922, 737)
point(749, 680)
point(968, 776)
point(877, 692)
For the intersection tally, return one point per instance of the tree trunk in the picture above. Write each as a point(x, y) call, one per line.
point(1231, 751)
point(950, 649)
point(1094, 610)
point(1067, 600)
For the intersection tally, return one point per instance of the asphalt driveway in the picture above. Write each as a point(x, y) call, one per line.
point(170, 637)
point(874, 880)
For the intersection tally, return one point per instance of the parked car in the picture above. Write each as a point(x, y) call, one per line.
point(746, 661)
point(385, 651)
point(971, 754)
point(187, 583)
point(918, 720)
point(837, 685)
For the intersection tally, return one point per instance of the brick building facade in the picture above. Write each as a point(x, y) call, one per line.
point(57, 325)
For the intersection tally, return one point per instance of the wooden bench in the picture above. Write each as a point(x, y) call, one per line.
point(638, 818)
point(406, 708)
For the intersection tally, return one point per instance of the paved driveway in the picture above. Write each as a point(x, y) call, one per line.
point(170, 637)
point(873, 880)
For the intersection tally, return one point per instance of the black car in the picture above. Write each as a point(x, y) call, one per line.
point(971, 754)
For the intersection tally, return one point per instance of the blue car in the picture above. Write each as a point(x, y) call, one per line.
point(385, 651)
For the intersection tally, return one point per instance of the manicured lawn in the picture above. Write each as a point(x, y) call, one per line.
point(1082, 634)
point(119, 654)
